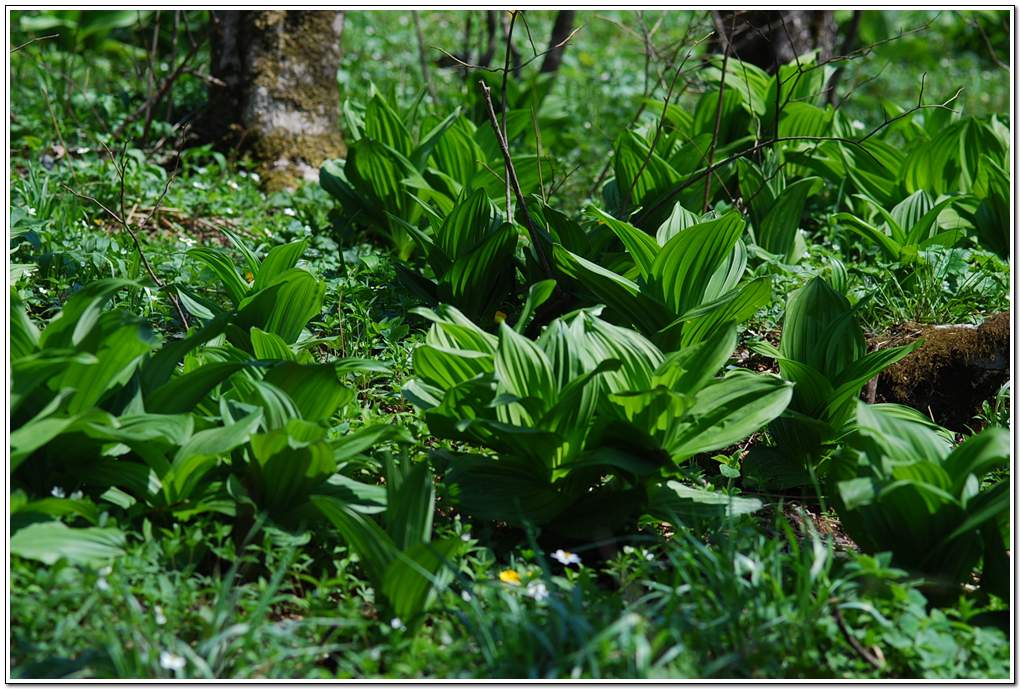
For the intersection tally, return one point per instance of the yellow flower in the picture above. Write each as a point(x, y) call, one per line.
point(249, 276)
point(499, 317)
point(508, 576)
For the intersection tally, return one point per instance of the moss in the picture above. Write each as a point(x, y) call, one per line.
point(955, 369)
point(284, 156)
point(294, 71)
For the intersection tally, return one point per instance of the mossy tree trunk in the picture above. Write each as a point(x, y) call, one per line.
point(279, 94)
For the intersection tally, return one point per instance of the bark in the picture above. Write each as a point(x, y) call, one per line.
point(278, 70)
point(562, 27)
point(769, 38)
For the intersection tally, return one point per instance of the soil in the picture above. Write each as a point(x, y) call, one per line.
point(952, 373)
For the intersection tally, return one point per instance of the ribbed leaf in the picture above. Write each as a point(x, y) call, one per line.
point(314, 389)
point(222, 266)
point(182, 393)
point(414, 574)
point(280, 259)
point(364, 536)
point(641, 246)
point(523, 370)
point(778, 229)
point(683, 269)
point(727, 411)
point(384, 125)
point(51, 541)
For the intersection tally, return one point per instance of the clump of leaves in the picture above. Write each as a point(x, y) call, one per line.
point(588, 423)
point(823, 352)
point(681, 285)
point(900, 486)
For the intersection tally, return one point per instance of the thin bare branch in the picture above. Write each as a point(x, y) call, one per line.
point(529, 224)
point(34, 40)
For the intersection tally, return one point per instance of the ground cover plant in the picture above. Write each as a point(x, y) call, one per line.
point(509, 344)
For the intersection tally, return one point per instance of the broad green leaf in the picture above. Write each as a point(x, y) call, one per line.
point(314, 388)
point(411, 579)
point(51, 541)
point(182, 393)
point(280, 259)
point(683, 269)
point(222, 266)
point(727, 411)
point(366, 538)
point(778, 228)
point(641, 246)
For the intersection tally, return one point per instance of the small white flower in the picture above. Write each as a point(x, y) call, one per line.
point(857, 124)
point(150, 295)
point(255, 177)
point(242, 173)
point(199, 185)
point(537, 590)
point(445, 639)
point(465, 537)
point(290, 211)
point(81, 150)
point(57, 491)
point(649, 555)
point(465, 596)
point(158, 614)
point(188, 241)
point(77, 495)
point(228, 211)
point(566, 558)
point(396, 623)
point(106, 571)
point(233, 185)
point(200, 170)
point(102, 585)
point(31, 211)
point(171, 661)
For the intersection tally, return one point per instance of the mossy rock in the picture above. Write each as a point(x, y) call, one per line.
point(952, 373)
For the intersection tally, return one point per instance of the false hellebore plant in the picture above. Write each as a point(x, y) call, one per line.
point(586, 425)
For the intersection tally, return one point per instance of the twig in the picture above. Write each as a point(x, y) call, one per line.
point(848, 39)
point(641, 108)
point(661, 122)
point(988, 44)
point(34, 40)
point(512, 175)
point(503, 106)
point(121, 220)
point(149, 105)
point(538, 151)
point(851, 639)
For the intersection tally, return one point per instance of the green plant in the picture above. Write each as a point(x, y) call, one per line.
point(909, 228)
point(97, 406)
point(272, 302)
point(899, 485)
point(471, 255)
point(589, 422)
point(406, 567)
point(686, 280)
point(823, 352)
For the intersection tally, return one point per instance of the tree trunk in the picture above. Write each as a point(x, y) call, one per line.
point(562, 27)
point(769, 38)
point(279, 92)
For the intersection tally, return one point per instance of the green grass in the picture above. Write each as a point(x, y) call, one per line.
point(204, 598)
